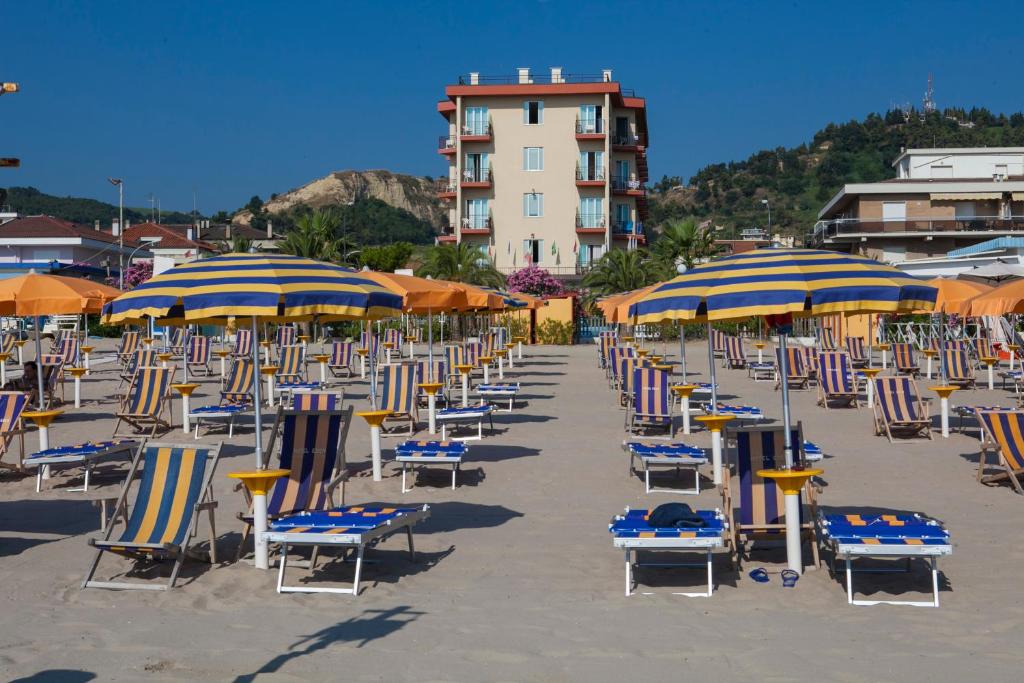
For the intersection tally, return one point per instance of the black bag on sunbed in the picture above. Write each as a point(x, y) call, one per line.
point(674, 515)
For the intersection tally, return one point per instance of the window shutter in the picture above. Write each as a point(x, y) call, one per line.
point(540, 112)
point(526, 158)
point(526, 112)
point(540, 204)
point(540, 251)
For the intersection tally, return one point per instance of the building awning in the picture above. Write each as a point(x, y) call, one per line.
point(1017, 196)
point(965, 196)
point(997, 244)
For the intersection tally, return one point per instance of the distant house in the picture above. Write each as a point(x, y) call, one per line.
point(177, 243)
point(263, 240)
point(51, 245)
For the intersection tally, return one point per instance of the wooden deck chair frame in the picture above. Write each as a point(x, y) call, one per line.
point(152, 418)
point(410, 416)
point(12, 405)
point(741, 532)
point(138, 357)
point(202, 362)
point(999, 439)
point(796, 371)
point(835, 380)
point(204, 502)
point(52, 367)
point(921, 424)
point(334, 364)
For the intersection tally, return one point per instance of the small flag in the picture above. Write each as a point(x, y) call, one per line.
point(575, 247)
point(510, 246)
point(554, 249)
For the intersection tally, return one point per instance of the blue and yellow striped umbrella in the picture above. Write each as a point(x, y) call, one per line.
point(804, 282)
point(267, 286)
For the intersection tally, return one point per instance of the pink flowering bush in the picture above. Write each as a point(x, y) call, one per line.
point(535, 281)
point(134, 275)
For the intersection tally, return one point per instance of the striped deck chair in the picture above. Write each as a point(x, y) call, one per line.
point(605, 341)
point(717, 343)
point(12, 405)
point(835, 379)
point(424, 373)
point(651, 407)
point(149, 399)
point(615, 356)
point(176, 341)
point(1005, 430)
point(286, 335)
point(52, 367)
point(57, 339)
point(8, 345)
point(903, 359)
point(371, 342)
point(981, 347)
point(827, 339)
point(394, 337)
point(735, 356)
point(173, 487)
point(243, 344)
point(198, 354)
point(473, 352)
point(319, 400)
point(627, 365)
point(957, 344)
point(755, 506)
point(796, 373)
point(130, 341)
point(237, 388)
point(291, 369)
point(898, 407)
point(810, 362)
point(68, 351)
point(341, 358)
point(454, 355)
point(958, 368)
point(399, 395)
point(141, 358)
point(311, 445)
point(857, 354)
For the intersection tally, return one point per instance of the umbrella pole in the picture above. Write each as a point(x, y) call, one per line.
point(184, 351)
point(257, 406)
point(788, 441)
point(942, 347)
point(39, 365)
point(430, 345)
point(682, 350)
point(711, 364)
point(373, 370)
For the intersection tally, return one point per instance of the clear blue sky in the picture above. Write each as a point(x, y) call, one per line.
point(243, 98)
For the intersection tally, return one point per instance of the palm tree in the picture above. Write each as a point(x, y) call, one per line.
point(461, 263)
point(237, 245)
point(683, 242)
point(620, 271)
point(314, 236)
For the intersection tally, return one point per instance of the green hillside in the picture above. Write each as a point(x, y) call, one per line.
point(30, 202)
point(798, 181)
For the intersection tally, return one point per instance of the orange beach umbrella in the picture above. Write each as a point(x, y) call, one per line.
point(1006, 298)
point(955, 296)
point(420, 295)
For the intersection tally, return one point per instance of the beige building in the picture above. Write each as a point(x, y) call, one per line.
point(941, 200)
point(544, 170)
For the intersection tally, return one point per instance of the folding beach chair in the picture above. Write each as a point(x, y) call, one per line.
point(835, 379)
point(827, 339)
point(955, 344)
point(605, 341)
point(399, 395)
point(758, 511)
point(903, 359)
point(615, 356)
point(1005, 430)
point(371, 343)
point(12, 405)
point(52, 367)
point(285, 336)
point(68, 352)
point(341, 359)
point(454, 356)
point(140, 358)
point(198, 355)
point(473, 352)
point(717, 343)
point(291, 369)
point(796, 373)
point(173, 486)
point(735, 356)
point(319, 400)
point(855, 348)
point(651, 406)
point(982, 348)
point(424, 374)
point(130, 341)
point(627, 365)
point(958, 368)
point(149, 398)
point(243, 344)
point(810, 362)
point(176, 338)
point(394, 337)
point(9, 346)
point(898, 406)
point(311, 445)
point(238, 385)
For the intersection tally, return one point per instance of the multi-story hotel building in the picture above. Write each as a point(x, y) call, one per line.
point(544, 170)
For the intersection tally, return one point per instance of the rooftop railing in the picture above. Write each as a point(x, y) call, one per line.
point(841, 227)
point(542, 79)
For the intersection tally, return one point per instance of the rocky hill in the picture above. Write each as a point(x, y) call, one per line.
point(413, 194)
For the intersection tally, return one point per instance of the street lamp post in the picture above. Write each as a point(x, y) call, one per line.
point(120, 230)
point(769, 207)
point(143, 242)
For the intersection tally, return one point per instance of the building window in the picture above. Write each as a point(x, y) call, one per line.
point(533, 158)
point(591, 253)
point(591, 213)
point(591, 166)
point(533, 113)
point(533, 205)
point(590, 120)
point(477, 121)
point(477, 168)
point(477, 213)
point(533, 250)
point(894, 211)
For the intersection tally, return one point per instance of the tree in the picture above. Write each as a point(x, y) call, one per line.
point(461, 263)
point(237, 245)
point(536, 281)
point(684, 242)
point(314, 236)
point(620, 271)
point(387, 258)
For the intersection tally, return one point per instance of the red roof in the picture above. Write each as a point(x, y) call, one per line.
point(169, 237)
point(48, 226)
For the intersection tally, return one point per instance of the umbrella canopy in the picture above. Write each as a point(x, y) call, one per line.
point(420, 295)
point(478, 298)
point(532, 302)
point(779, 281)
point(954, 296)
point(619, 312)
point(995, 272)
point(271, 287)
point(1006, 298)
point(37, 295)
point(507, 300)
point(607, 304)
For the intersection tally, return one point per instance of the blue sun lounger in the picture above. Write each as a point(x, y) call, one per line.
point(84, 455)
point(459, 415)
point(500, 391)
point(227, 412)
point(739, 412)
point(885, 536)
point(812, 452)
point(413, 453)
point(674, 455)
point(354, 527)
point(631, 532)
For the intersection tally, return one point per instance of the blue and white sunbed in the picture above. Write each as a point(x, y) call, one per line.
point(226, 412)
point(460, 415)
point(85, 455)
point(761, 372)
point(885, 536)
point(739, 412)
point(354, 527)
point(287, 389)
point(413, 453)
point(965, 412)
point(812, 452)
point(631, 532)
point(674, 455)
point(500, 391)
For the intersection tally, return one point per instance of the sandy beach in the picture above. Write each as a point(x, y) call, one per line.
point(516, 578)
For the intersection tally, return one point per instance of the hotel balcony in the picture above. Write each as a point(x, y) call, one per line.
point(477, 226)
point(856, 229)
point(445, 188)
point(590, 177)
point(625, 185)
point(587, 224)
point(625, 143)
point(477, 133)
point(445, 144)
point(477, 178)
point(447, 235)
point(590, 130)
point(628, 230)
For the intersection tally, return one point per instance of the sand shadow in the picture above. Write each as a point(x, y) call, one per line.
point(363, 629)
point(454, 516)
point(492, 453)
point(57, 676)
point(48, 516)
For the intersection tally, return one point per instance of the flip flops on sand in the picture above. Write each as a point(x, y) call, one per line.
point(789, 578)
point(760, 575)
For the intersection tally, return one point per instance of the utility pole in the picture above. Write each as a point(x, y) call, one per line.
point(120, 230)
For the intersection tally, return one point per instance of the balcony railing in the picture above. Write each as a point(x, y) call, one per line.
point(445, 143)
point(627, 228)
point(625, 140)
point(575, 269)
point(477, 224)
point(623, 183)
point(590, 221)
point(444, 186)
point(477, 175)
point(478, 130)
point(841, 227)
point(588, 174)
point(590, 127)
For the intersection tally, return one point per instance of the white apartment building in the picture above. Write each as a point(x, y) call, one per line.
point(544, 170)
